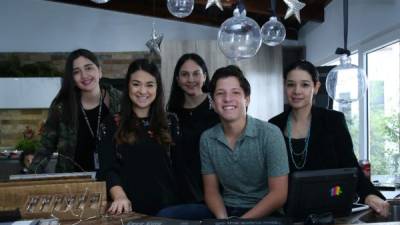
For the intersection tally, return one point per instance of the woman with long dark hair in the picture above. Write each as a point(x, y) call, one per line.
point(141, 178)
point(75, 123)
point(190, 101)
point(318, 138)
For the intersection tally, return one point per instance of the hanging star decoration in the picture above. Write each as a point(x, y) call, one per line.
point(294, 8)
point(216, 2)
point(155, 42)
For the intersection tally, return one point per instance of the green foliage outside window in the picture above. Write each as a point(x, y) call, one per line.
point(385, 147)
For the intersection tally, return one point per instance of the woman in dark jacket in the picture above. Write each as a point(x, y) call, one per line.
point(75, 125)
point(318, 138)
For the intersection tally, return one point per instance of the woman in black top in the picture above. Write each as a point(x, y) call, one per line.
point(318, 138)
point(191, 103)
point(141, 178)
point(75, 124)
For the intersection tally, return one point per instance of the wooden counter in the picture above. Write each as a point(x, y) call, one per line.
point(123, 219)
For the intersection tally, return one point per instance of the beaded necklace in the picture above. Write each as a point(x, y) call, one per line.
point(292, 152)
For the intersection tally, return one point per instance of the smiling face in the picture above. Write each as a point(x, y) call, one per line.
point(86, 74)
point(230, 101)
point(142, 92)
point(191, 78)
point(300, 89)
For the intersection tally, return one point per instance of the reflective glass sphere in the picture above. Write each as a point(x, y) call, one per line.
point(100, 1)
point(273, 32)
point(346, 82)
point(239, 37)
point(180, 8)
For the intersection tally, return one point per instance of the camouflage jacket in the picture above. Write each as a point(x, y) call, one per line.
point(58, 137)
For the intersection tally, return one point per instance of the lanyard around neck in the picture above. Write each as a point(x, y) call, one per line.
point(98, 119)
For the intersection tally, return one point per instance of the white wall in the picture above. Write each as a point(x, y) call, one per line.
point(28, 92)
point(43, 26)
point(367, 19)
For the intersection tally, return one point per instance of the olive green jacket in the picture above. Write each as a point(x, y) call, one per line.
point(58, 137)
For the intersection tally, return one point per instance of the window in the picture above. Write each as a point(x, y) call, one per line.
point(384, 108)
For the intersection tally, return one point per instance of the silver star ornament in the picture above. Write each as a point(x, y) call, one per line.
point(214, 2)
point(155, 42)
point(294, 8)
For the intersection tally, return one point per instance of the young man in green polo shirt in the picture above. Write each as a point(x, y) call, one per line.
point(244, 155)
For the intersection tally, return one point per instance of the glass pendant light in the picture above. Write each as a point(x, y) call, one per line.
point(239, 37)
point(273, 32)
point(180, 8)
point(346, 82)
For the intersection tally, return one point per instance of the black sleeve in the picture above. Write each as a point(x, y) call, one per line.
point(109, 157)
point(106, 149)
point(348, 158)
point(113, 173)
point(173, 125)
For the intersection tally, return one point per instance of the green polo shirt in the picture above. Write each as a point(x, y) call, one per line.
point(243, 172)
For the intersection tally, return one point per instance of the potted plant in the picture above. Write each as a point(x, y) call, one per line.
point(26, 148)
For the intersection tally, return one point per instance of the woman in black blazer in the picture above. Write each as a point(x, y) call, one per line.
point(318, 138)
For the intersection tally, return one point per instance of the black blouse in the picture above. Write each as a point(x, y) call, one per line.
point(186, 158)
point(144, 171)
point(330, 146)
point(299, 155)
point(86, 143)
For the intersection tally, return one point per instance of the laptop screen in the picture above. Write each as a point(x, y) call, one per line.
point(321, 191)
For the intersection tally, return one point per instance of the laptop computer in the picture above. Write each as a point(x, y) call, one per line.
point(321, 191)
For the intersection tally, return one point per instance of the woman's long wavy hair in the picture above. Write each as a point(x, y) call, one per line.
point(127, 131)
point(177, 97)
point(69, 94)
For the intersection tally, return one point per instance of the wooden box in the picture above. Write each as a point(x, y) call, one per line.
point(65, 199)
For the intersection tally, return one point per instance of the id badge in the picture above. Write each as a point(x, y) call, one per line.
point(96, 161)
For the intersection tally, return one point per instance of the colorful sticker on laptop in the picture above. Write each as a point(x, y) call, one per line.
point(336, 191)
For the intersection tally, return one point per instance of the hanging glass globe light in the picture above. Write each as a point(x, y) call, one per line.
point(180, 8)
point(239, 37)
point(346, 82)
point(273, 32)
point(100, 1)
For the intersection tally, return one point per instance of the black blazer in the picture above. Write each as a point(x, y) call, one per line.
point(330, 146)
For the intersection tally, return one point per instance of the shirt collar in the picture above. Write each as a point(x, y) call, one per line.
point(249, 130)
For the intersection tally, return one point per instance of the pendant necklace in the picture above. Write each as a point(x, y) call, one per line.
point(302, 154)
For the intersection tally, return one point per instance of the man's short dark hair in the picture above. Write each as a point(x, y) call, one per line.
point(230, 71)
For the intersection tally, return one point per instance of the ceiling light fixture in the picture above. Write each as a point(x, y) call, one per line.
point(273, 32)
point(346, 82)
point(239, 37)
point(180, 8)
